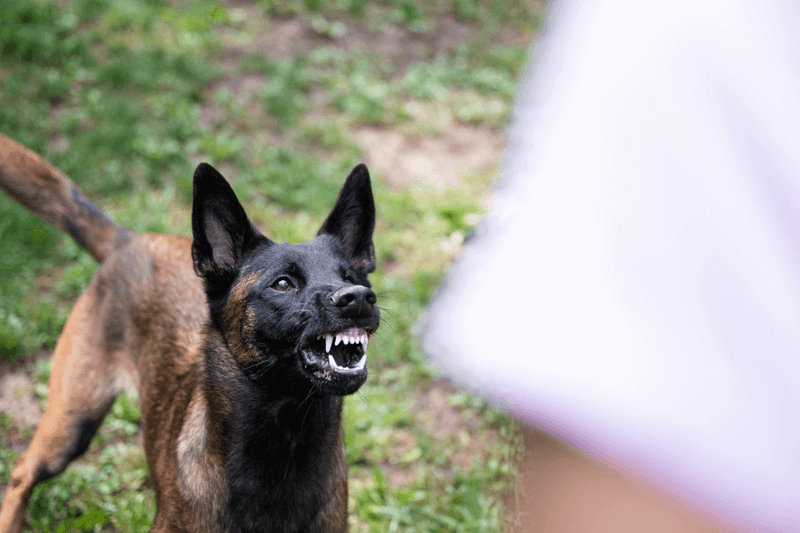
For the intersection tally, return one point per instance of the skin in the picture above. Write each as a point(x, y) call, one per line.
point(563, 491)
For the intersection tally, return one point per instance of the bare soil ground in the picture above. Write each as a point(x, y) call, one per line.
point(17, 398)
point(281, 38)
point(438, 160)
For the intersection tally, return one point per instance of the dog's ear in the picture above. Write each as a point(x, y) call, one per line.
point(222, 231)
point(352, 220)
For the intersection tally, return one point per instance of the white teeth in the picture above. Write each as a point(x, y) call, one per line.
point(351, 336)
point(362, 363)
point(358, 366)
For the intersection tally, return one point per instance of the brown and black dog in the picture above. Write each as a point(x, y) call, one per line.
point(241, 349)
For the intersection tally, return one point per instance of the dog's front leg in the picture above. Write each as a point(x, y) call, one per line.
point(18, 493)
point(82, 388)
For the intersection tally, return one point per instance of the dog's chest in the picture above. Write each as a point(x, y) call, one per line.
point(201, 477)
point(271, 478)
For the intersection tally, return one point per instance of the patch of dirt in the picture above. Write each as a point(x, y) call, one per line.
point(448, 425)
point(17, 398)
point(440, 161)
point(445, 421)
point(400, 474)
point(245, 85)
point(282, 38)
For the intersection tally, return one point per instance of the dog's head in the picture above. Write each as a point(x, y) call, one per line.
point(296, 317)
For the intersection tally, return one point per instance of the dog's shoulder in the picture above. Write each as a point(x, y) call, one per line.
point(147, 293)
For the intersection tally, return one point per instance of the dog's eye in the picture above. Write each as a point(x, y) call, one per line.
point(349, 279)
point(282, 284)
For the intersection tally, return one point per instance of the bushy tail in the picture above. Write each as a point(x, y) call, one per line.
point(52, 196)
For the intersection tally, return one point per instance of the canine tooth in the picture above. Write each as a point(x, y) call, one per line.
point(332, 361)
point(361, 363)
point(328, 343)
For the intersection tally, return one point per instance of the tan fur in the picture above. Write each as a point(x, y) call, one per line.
point(124, 329)
point(138, 323)
point(51, 195)
point(199, 472)
point(239, 317)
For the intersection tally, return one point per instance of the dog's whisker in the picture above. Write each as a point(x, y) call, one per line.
point(389, 312)
point(388, 295)
point(385, 324)
point(364, 399)
point(265, 370)
point(302, 422)
point(259, 363)
point(306, 398)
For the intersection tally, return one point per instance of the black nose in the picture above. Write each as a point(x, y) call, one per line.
point(355, 301)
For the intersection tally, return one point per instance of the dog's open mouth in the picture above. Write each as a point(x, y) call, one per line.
point(342, 352)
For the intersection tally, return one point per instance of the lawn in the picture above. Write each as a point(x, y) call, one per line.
point(128, 96)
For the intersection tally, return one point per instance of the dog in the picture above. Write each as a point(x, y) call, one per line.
point(241, 349)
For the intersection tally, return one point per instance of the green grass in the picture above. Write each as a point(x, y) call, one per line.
point(127, 96)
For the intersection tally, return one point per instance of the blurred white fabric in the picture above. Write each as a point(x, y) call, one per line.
point(635, 289)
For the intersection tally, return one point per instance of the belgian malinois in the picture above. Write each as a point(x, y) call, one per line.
point(241, 349)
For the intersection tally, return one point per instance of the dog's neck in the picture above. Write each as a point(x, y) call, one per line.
point(278, 452)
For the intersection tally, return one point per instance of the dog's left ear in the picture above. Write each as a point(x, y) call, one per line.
point(352, 220)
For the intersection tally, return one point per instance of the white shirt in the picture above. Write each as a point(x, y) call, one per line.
point(635, 289)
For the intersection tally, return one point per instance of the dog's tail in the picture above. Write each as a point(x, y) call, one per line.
point(52, 196)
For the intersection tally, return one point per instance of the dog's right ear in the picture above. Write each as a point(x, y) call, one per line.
point(222, 231)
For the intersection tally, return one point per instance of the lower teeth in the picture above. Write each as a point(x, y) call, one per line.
point(358, 366)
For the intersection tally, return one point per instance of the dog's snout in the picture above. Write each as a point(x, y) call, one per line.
point(355, 300)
